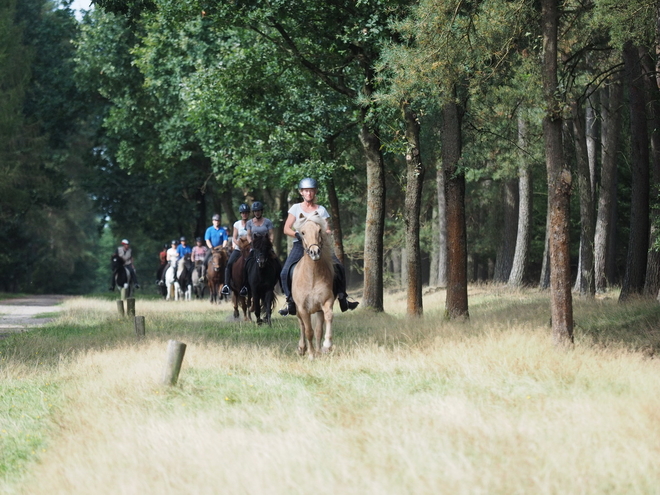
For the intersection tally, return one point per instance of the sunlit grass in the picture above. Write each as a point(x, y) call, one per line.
point(402, 405)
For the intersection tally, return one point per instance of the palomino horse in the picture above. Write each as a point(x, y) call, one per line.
point(171, 283)
point(184, 277)
point(312, 286)
point(263, 273)
point(237, 281)
point(121, 275)
point(215, 272)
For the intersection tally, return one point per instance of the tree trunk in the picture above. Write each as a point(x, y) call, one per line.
point(559, 184)
point(611, 101)
point(516, 276)
point(457, 297)
point(442, 227)
point(507, 248)
point(413, 201)
point(652, 281)
point(638, 241)
point(544, 281)
point(375, 221)
point(336, 220)
point(585, 277)
point(281, 206)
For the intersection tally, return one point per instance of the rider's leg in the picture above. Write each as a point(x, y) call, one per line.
point(296, 253)
point(207, 257)
point(131, 269)
point(235, 254)
point(340, 286)
point(246, 286)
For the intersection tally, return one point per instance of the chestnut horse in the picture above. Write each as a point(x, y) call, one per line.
point(237, 281)
point(215, 272)
point(312, 286)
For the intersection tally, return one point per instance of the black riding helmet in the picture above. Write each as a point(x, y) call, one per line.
point(244, 208)
point(257, 206)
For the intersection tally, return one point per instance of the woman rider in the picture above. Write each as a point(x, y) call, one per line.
point(308, 188)
point(258, 225)
point(240, 230)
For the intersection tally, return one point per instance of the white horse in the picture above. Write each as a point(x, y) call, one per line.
point(172, 285)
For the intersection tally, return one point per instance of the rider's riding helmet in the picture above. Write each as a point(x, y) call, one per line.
point(244, 208)
point(216, 217)
point(182, 238)
point(308, 183)
point(173, 241)
point(125, 241)
point(257, 206)
point(199, 239)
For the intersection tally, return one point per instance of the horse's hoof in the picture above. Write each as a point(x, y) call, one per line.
point(326, 350)
point(302, 350)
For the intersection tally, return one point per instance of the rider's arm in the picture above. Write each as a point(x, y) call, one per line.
point(235, 236)
point(288, 226)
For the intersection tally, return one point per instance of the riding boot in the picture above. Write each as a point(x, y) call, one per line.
point(289, 308)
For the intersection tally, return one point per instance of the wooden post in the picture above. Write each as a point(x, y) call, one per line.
point(120, 307)
point(139, 327)
point(175, 352)
point(122, 293)
point(130, 306)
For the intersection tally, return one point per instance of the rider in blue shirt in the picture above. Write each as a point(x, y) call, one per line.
point(183, 248)
point(215, 236)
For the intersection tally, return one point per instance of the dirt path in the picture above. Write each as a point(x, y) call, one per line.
point(19, 315)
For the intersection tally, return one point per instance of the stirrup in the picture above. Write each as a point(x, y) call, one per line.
point(243, 292)
point(225, 290)
point(284, 311)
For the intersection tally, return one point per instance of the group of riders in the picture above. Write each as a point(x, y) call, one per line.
point(217, 236)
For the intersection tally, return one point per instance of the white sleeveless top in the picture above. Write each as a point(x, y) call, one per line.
point(296, 210)
point(242, 231)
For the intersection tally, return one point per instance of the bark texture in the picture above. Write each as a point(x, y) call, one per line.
point(611, 101)
point(413, 201)
point(638, 241)
point(585, 276)
point(457, 298)
point(507, 248)
point(559, 184)
point(517, 274)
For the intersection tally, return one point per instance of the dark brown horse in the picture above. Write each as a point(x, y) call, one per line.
point(215, 272)
point(237, 281)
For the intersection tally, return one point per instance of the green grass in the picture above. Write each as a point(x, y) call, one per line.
point(401, 405)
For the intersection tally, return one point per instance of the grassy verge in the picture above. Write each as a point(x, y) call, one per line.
point(401, 406)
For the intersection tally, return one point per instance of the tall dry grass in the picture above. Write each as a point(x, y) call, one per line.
point(401, 406)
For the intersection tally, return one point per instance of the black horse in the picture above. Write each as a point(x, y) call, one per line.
point(121, 276)
point(263, 273)
point(184, 275)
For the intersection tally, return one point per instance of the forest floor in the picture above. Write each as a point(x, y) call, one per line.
point(23, 313)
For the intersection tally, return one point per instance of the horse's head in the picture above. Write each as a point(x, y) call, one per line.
point(243, 245)
point(261, 247)
point(312, 231)
point(218, 258)
point(117, 262)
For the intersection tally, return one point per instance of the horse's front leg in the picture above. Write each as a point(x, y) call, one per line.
point(302, 343)
point(309, 335)
point(327, 318)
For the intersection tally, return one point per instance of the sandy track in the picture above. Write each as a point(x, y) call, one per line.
point(19, 315)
